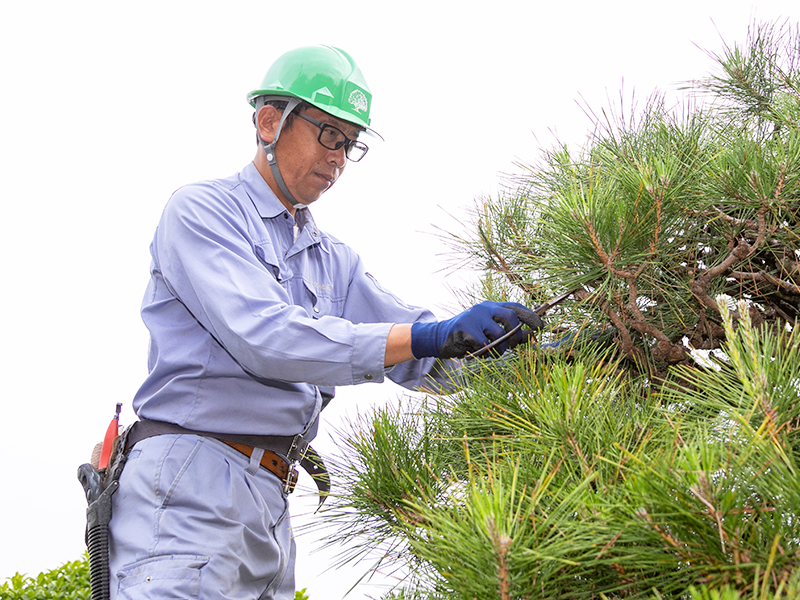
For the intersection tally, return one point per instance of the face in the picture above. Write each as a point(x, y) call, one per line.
point(307, 167)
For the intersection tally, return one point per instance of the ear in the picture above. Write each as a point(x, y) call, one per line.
point(267, 122)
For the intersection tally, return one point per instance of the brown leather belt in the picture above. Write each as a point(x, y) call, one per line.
point(295, 448)
point(272, 463)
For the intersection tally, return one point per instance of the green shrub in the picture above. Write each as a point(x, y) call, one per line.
point(68, 582)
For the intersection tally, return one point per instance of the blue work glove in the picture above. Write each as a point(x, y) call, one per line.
point(473, 329)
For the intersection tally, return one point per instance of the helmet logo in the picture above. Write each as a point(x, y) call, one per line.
point(359, 101)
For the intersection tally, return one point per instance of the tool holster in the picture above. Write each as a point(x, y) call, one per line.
point(99, 485)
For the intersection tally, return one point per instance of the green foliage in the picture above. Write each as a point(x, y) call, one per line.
point(71, 581)
point(654, 451)
point(556, 476)
point(757, 82)
point(662, 211)
point(68, 582)
point(788, 590)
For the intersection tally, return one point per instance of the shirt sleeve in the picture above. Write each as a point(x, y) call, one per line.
point(206, 257)
point(368, 300)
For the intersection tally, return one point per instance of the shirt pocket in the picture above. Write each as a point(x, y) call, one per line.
point(265, 252)
point(321, 300)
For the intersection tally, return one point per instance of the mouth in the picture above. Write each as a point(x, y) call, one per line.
point(327, 179)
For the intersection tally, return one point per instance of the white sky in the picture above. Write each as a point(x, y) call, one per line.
point(107, 107)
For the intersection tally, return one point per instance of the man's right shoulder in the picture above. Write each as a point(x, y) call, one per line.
point(226, 191)
point(221, 185)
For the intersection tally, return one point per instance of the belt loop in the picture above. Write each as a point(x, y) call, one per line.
point(255, 461)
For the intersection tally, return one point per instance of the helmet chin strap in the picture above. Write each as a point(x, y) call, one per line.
point(269, 150)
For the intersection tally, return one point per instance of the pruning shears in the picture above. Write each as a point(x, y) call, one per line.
point(539, 310)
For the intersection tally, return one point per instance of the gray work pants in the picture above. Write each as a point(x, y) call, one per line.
point(194, 518)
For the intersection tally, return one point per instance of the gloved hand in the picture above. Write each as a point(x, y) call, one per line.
point(474, 328)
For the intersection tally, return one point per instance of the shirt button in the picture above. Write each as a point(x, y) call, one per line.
point(285, 215)
point(316, 309)
point(368, 377)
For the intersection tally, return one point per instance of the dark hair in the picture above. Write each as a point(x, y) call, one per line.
point(281, 105)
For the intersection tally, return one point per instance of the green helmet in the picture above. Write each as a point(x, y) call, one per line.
point(325, 77)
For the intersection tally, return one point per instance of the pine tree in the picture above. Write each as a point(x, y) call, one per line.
point(648, 445)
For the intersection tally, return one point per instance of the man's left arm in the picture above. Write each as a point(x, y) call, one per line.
point(398, 345)
point(418, 344)
point(369, 302)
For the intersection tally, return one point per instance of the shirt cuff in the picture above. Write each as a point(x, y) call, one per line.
point(369, 352)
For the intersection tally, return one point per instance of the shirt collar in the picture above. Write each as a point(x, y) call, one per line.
point(269, 207)
point(264, 199)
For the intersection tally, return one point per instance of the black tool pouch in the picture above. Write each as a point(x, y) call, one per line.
point(99, 486)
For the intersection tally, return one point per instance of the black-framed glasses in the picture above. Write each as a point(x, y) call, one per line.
point(333, 139)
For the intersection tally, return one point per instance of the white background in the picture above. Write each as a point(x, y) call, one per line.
point(109, 106)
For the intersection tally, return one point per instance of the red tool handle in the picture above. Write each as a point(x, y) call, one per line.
point(108, 441)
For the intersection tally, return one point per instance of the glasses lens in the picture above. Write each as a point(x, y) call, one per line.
point(356, 151)
point(331, 138)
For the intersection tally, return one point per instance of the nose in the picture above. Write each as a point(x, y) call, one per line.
point(338, 157)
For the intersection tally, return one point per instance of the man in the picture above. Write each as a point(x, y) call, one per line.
point(255, 315)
